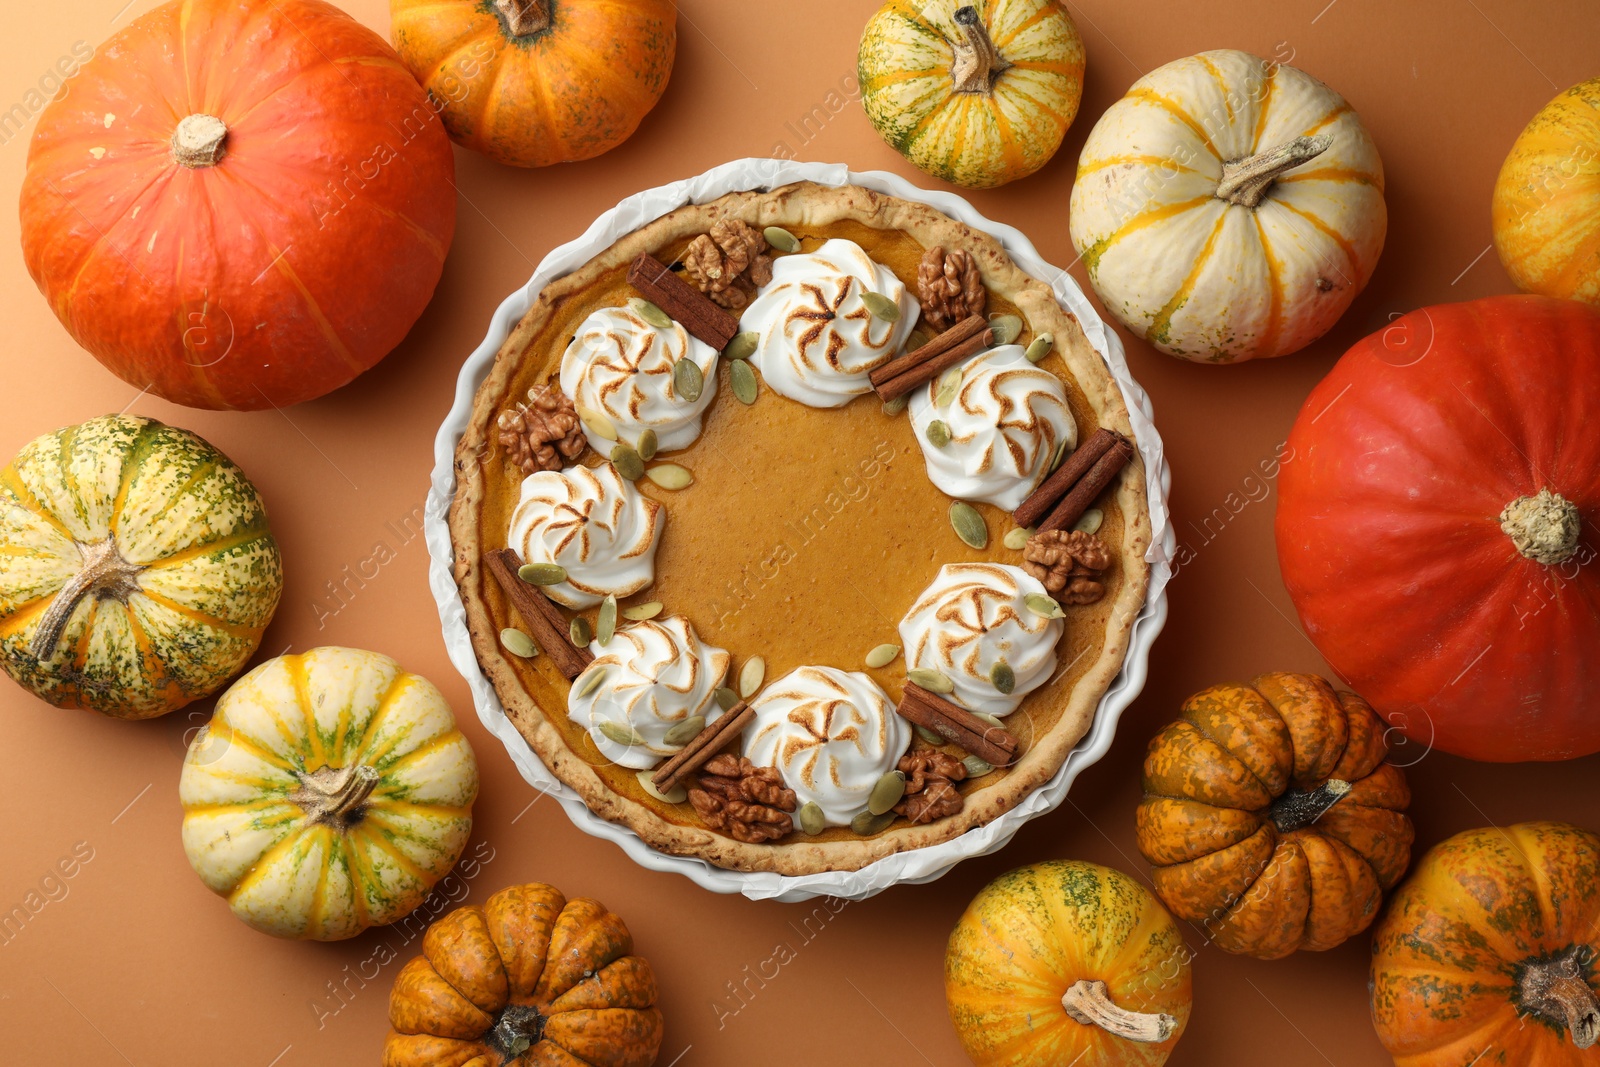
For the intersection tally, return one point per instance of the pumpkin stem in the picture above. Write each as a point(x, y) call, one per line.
point(524, 18)
point(1555, 989)
point(332, 795)
point(1544, 527)
point(978, 63)
point(1293, 811)
point(199, 141)
point(104, 573)
point(1245, 181)
point(1088, 1002)
point(517, 1029)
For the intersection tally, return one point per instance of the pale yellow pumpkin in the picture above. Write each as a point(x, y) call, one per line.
point(1228, 208)
point(329, 792)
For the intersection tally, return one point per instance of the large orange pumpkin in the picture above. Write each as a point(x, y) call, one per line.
point(1271, 816)
point(1488, 953)
point(529, 978)
point(536, 82)
point(239, 204)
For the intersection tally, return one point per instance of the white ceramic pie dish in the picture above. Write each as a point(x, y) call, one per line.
point(919, 865)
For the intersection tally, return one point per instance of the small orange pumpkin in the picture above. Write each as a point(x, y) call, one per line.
point(528, 978)
point(1488, 953)
point(1271, 816)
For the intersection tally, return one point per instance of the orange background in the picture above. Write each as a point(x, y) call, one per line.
point(139, 964)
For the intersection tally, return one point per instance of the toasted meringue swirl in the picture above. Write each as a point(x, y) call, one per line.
point(972, 617)
point(818, 341)
point(831, 735)
point(595, 525)
point(621, 366)
point(1005, 421)
point(654, 675)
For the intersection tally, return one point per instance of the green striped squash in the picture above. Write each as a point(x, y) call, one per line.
point(137, 572)
point(978, 95)
point(329, 793)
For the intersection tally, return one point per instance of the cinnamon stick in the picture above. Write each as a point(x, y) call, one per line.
point(1090, 486)
point(1074, 467)
point(931, 368)
point(957, 725)
point(549, 626)
point(942, 343)
point(693, 309)
point(702, 747)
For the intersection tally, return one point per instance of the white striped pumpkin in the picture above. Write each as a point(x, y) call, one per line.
point(137, 572)
point(977, 94)
point(329, 792)
point(1228, 209)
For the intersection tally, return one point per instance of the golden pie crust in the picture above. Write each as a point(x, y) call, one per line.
point(846, 485)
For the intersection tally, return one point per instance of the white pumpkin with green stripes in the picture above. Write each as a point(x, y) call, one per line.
point(1228, 208)
point(329, 793)
point(137, 572)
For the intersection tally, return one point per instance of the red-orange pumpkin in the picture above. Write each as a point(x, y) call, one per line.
point(239, 204)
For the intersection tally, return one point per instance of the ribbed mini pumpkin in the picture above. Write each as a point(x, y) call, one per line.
point(1271, 816)
point(329, 792)
point(530, 978)
point(137, 572)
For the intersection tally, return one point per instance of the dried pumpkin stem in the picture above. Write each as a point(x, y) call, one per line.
point(524, 18)
point(334, 796)
point(1545, 527)
point(104, 573)
point(1293, 811)
point(200, 141)
point(1554, 988)
point(1245, 181)
point(978, 63)
point(1089, 1003)
point(517, 1029)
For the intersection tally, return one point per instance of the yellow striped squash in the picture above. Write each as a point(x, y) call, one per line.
point(329, 792)
point(976, 94)
point(137, 572)
point(1228, 208)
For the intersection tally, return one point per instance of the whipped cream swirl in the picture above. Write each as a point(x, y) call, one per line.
point(621, 366)
point(1006, 419)
point(654, 675)
point(817, 340)
point(831, 735)
point(593, 523)
point(972, 617)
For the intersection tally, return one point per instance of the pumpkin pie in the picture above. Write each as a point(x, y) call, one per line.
point(736, 527)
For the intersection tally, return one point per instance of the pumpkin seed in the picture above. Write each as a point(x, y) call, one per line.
point(621, 733)
point(931, 680)
point(518, 643)
point(866, 824)
point(1059, 455)
point(1091, 521)
point(1044, 606)
point(606, 624)
point(751, 676)
point(597, 423)
point(648, 444)
point(781, 239)
point(977, 766)
point(580, 631)
point(685, 731)
point(628, 462)
point(811, 819)
point(949, 386)
point(726, 698)
point(669, 476)
point(677, 795)
point(937, 433)
point(688, 380)
point(1017, 539)
point(897, 405)
point(1007, 328)
point(881, 307)
point(592, 682)
point(1002, 677)
point(883, 655)
point(917, 339)
point(930, 737)
point(887, 792)
point(992, 720)
point(742, 377)
point(641, 612)
point(650, 313)
point(1040, 347)
point(743, 345)
point(969, 525)
point(542, 573)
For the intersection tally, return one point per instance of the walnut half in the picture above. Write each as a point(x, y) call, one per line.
point(949, 287)
point(1068, 564)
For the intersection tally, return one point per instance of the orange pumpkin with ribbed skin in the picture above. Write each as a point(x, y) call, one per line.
point(535, 82)
point(1271, 816)
point(529, 978)
point(1487, 955)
